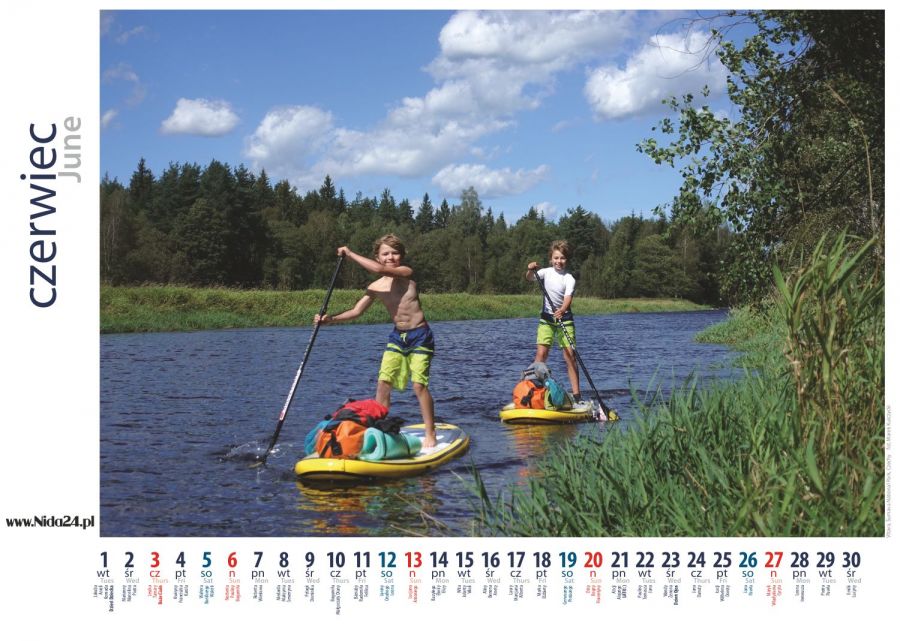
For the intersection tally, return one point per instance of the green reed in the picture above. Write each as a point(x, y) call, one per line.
point(795, 448)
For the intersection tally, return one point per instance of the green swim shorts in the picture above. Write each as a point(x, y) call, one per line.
point(408, 355)
point(547, 332)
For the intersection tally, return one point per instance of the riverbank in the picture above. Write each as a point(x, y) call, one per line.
point(795, 448)
point(166, 308)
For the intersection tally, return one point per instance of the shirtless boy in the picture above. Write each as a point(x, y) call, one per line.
point(410, 346)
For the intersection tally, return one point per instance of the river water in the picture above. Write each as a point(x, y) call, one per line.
point(177, 408)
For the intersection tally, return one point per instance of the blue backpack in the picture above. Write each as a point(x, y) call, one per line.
point(556, 398)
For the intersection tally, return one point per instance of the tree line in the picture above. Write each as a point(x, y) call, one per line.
point(223, 226)
point(801, 155)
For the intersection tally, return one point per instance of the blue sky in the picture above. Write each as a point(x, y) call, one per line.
point(536, 109)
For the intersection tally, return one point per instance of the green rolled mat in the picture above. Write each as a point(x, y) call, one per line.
point(380, 446)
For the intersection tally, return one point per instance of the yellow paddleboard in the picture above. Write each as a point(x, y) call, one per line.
point(517, 415)
point(452, 442)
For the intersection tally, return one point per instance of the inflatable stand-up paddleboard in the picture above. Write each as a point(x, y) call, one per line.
point(513, 415)
point(451, 443)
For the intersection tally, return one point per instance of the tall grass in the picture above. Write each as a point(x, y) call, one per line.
point(795, 448)
point(171, 308)
point(835, 351)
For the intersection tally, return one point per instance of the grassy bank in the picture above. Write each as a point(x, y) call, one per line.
point(796, 448)
point(166, 308)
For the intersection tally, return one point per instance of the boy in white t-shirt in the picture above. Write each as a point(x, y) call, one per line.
point(560, 287)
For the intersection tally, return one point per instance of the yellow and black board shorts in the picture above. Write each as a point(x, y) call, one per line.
point(407, 355)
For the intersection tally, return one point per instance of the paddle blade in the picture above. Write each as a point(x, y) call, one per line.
point(255, 452)
point(604, 414)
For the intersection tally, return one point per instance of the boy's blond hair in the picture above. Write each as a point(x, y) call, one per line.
point(392, 241)
point(562, 246)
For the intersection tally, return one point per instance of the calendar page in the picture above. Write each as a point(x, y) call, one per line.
point(394, 321)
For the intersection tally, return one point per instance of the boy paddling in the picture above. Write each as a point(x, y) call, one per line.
point(560, 287)
point(410, 345)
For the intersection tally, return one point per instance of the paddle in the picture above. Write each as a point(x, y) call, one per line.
point(312, 339)
point(607, 413)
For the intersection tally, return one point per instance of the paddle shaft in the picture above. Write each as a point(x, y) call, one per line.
point(312, 339)
point(571, 344)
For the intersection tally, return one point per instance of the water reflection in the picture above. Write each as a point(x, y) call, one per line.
point(533, 441)
point(393, 507)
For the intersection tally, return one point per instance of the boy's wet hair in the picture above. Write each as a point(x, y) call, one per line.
point(391, 241)
point(562, 246)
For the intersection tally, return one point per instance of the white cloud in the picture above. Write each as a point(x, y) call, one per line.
point(489, 154)
point(125, 36)
point(107, 19)
point(200, 118)
point(109, 27)
point(409, 144)
point(453, 179)
point(492, 65)
point(108, 116)
point(496, 58)
point(561, 125)
point(303, 143)
point(287, 138)
point(531, 37)
point(123, 72)
point(548, 209)
point(670, 64)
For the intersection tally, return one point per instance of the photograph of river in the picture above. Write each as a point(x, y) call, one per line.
point(173, 405)
point(670, 173)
